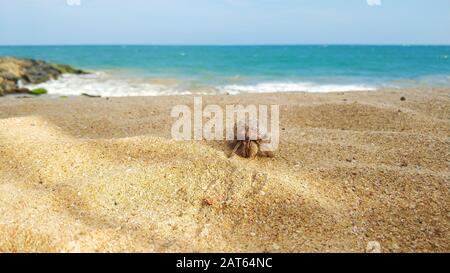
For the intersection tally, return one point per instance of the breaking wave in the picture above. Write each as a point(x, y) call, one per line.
point(104, 84)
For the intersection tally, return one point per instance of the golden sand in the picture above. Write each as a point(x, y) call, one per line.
point(354, 170)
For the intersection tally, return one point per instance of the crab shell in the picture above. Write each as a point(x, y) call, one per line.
point(251, 146)
point(249, 149)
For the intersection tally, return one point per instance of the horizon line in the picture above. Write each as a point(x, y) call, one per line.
point(268, 44)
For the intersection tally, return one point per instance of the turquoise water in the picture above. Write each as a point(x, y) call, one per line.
point(149, 70)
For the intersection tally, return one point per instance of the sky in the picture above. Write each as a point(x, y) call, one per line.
point(224, 22)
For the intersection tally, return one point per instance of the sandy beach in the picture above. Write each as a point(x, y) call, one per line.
point(354, 170)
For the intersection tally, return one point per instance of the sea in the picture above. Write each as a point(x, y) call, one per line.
point(135, 70)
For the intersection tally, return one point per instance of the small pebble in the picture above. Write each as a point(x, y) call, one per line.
point(209, 201)
point(373, 247)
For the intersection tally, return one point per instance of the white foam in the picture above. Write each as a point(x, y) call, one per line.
point(102, 84)
point(295, 87)
point(112, 85)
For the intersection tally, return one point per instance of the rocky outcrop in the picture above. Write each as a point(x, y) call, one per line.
point(14, 71)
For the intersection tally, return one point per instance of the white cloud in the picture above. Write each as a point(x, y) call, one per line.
point(73, 2)
point(374, 2)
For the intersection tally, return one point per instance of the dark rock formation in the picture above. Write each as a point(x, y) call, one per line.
point(15, 70)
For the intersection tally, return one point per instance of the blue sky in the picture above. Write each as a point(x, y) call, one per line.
point(224, 22)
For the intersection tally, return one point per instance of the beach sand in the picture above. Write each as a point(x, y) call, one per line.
point(354, 171)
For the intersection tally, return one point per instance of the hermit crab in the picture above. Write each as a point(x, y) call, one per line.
point(249, 143)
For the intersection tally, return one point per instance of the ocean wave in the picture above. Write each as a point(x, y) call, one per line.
point(105, 84)
point(295, 87)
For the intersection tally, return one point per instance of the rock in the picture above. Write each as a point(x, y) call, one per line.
point(90, 96)
point(21, 90)
point(67, 69)
point(14, 71)
point(6, 85)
